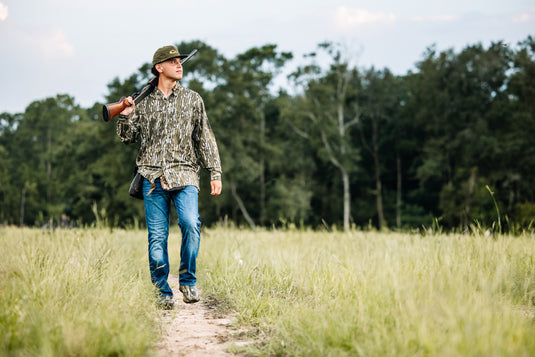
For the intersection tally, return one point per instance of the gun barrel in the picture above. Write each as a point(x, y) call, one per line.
point(192, 53)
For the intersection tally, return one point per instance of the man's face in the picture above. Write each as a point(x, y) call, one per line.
point(171, 68)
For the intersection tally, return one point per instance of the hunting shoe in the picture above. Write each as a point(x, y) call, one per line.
point(166, 302)
point(190, 293)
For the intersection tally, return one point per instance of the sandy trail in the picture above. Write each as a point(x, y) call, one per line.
point(194, 330)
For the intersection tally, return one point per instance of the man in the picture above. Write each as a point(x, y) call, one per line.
point(176, 139)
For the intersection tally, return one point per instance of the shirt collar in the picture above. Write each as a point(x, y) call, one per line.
point(176, 88)
point(174, 91)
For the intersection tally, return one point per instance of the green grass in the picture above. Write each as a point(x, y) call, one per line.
point(299, 293)
point(75, 293)
point(376, 294)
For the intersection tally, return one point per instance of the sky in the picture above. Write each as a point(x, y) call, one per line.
point(50, 47)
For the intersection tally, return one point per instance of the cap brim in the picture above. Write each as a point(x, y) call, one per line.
point(179, 56)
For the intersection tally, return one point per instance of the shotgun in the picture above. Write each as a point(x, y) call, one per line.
point(109, 111)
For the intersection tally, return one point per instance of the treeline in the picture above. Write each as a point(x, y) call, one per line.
point(450, 144)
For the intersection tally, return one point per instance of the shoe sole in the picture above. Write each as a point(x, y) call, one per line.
point(188, 301)
point(166, 306)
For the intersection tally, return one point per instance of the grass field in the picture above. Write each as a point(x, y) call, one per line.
point(299, 293)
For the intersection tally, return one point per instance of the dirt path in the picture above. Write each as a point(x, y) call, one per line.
point(193, 329)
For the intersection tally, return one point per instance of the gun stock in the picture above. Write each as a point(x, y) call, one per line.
point(109, 111)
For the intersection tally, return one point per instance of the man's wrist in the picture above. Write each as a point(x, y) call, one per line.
point(215, 176)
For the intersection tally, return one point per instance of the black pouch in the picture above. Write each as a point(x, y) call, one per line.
point(136, 186)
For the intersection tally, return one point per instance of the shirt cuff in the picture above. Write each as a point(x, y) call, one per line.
point(215, 176)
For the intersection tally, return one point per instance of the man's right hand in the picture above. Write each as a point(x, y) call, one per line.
point(130, 106)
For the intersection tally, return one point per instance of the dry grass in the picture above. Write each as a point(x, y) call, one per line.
point(376, 294)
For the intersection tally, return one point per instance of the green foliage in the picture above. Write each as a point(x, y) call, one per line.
point(525, 214)
point(350, 147)
point(467, 201)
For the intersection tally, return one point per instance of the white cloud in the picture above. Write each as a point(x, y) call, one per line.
point(47, 42)
point(435, 18)
point(55, 45)
point(4, 11)
point(524, 17)
point(349, 18)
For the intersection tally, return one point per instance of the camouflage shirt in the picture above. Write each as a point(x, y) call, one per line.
point(176, 138)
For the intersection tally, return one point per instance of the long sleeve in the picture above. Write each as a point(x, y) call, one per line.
point(206, 145)
point(128, 128)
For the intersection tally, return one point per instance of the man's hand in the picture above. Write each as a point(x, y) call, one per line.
point(130, 108)
point(216, 187)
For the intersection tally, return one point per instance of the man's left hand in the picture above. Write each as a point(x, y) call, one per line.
point(216, 187)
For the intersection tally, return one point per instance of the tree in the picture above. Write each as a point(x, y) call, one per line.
point(326, 112)
point(9, 192)
point(38, 137)
point(240, 105)
point(454, 97)
point(518, 155)
point(381, 99)
point(441, 142)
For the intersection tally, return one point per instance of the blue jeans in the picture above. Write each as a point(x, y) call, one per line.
point(157, 216)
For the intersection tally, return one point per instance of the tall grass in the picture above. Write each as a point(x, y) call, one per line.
point(75, 293)
point(376, 294)
point(300, 293)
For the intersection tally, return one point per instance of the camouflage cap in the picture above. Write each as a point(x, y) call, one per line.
point(164, 53)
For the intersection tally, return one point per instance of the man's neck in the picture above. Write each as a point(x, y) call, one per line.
point(166, 85)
